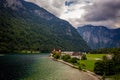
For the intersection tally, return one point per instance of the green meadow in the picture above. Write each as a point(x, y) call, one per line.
point(91, 59)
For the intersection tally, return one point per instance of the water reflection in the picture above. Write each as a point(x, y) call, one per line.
point(14, 67)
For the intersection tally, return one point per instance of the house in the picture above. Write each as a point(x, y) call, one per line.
point(74, 54)
point(67, 52)
point(77, 55)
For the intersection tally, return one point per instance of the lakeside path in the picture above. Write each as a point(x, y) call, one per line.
point(89, 75)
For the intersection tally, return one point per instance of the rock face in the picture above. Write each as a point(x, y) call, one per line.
point(26, 26)
point(100, 36)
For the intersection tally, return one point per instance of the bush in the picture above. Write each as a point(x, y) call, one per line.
point(66, 57)
point(104, 67)
point(99, 67)
point(74, 60)
point(56, 56)
point(84, 57)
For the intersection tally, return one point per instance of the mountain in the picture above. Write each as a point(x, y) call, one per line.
point(100, 36)
point(26, 26)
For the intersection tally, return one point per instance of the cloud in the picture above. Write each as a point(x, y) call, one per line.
point(98, 12)
point(68, 3)
point(107, 11)
point(103, 10)
point(74, 11)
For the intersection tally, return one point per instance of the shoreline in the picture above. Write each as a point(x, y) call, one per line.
point(92, 74)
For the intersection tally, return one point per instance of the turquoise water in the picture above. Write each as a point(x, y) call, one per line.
point(37, 67)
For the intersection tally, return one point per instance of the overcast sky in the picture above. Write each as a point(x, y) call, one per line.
point(82, 12)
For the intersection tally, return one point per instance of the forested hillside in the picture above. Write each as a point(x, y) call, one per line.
point(26, 26)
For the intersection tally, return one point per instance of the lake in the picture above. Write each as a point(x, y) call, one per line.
point(37, 67)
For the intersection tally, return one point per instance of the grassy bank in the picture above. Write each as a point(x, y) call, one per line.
point(91, 59)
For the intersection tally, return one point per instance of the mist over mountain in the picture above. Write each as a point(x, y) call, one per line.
point(26, 26)
point(100, 36)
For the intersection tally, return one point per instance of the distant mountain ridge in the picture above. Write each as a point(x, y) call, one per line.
point(26, 26)
point(100, 36)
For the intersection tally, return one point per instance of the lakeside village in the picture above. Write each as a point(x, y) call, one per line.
point(70, 58)
point(58, 53)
